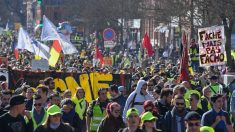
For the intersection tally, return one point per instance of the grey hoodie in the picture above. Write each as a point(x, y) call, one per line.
point(139, 98)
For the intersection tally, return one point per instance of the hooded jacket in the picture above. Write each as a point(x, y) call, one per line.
point(136, 99)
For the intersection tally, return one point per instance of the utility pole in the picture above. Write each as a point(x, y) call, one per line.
point(122, 22)
point(191, 19)
point(29, 13)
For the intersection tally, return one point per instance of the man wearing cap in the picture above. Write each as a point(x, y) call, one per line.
point(133, 120)
point(96, 110)
point(13, 121)
point(148, 122)
point(53, 122)
point(192, 122)
point(214, 85)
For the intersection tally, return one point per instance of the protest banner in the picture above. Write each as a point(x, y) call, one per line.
point(90, 82)
point(211, 42)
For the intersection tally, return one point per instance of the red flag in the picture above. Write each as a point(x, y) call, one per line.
point(16, 52)
point(147, 45)
point(99, 55)
point(184, 74)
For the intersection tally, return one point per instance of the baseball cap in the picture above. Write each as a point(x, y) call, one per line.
point(53, 110)
point(17, 100)
point(192, 116)
point(132, 111)
point(206, 129)
point(148, 116)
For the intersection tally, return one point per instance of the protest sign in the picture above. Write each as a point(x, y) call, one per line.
point(40, 64)
point(90, 82)
point(211, 42)
point(108, 61)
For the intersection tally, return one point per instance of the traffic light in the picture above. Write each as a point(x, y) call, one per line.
point(39, 2)
point(41, 23)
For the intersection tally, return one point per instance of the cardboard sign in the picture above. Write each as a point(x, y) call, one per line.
point(108, 61)
point(40, 64)
point(109, 44)
point(211, 42)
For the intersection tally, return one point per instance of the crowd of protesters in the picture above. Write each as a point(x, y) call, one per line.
point(156, 100)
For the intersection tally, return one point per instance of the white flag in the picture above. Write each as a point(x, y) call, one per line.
point(41, 50)
point(24, 41)
point(33, 46)
point(49, 32)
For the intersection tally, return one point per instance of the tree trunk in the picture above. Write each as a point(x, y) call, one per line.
point(228, 32)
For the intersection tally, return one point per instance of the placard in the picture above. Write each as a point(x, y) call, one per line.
point(40, 64)
point(211, 42)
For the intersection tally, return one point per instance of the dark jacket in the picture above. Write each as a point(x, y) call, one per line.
point(170, 121)
point(109, 123)
point(62, 128)
point(120, 100)
point(72, 119)
point(15, 124)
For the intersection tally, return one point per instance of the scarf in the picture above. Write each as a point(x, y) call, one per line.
point(68, 117)
point(38, 117)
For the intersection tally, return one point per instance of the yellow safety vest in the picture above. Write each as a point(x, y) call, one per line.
point(80, 107)
point(97, 117)
point(35, 125)
point(193, 51)
point(187, 95)
point(208, 102)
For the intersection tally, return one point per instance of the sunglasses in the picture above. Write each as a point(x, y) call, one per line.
point(39, 104)
point(150, 85)
point(194, 124)
point(190, 99)
point(177, 103)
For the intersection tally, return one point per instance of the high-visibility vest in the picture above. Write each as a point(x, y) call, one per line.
point(97, 117)
point(80, 107)
point(194, 52)
point(187, 95)
point(216, 89)
point(35, 125)
point(208, 102)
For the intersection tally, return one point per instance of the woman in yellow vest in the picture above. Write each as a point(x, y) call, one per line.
point(80, 106)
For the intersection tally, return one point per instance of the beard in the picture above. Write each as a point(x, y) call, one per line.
point(180, 110)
